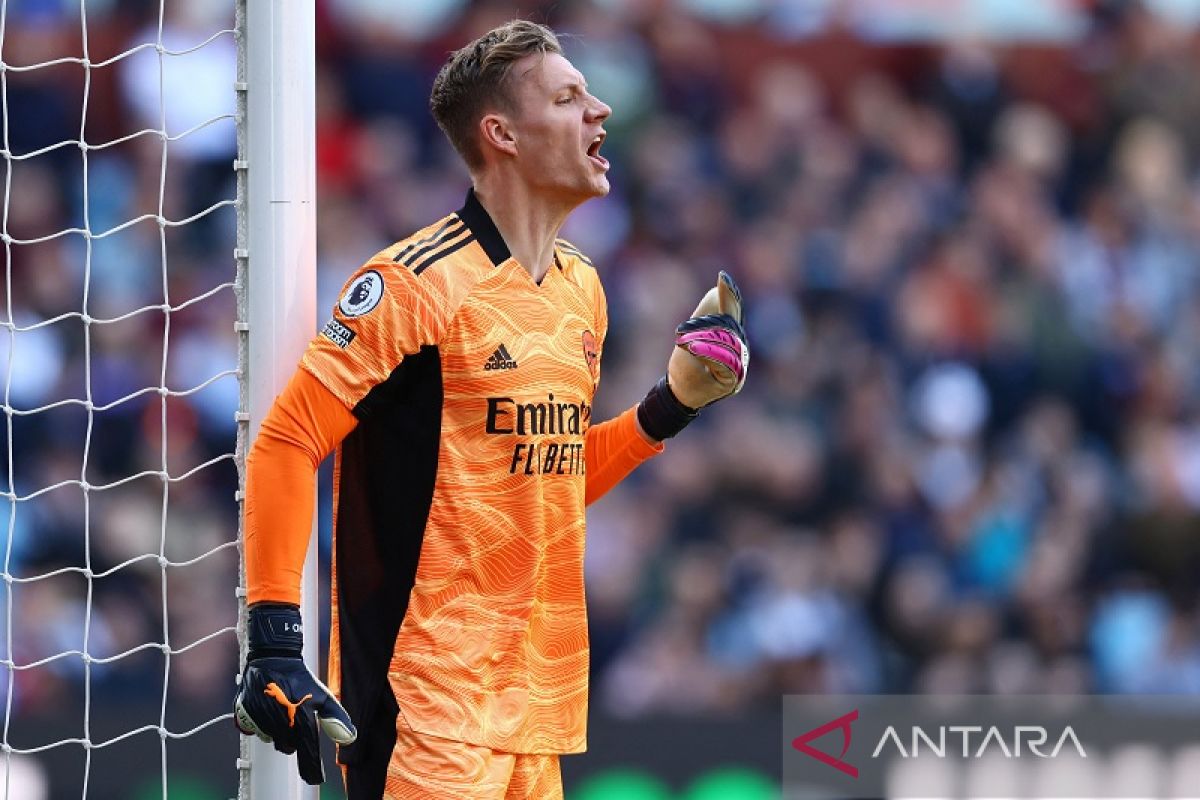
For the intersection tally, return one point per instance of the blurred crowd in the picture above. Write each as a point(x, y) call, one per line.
point(95, 323)
point(967, 458)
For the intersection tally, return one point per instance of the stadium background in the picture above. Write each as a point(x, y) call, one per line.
point(968, 455)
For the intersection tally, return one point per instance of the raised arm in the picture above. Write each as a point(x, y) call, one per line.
point(708, 364)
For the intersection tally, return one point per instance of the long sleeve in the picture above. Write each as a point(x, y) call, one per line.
point(304, 425)
point(613, 449)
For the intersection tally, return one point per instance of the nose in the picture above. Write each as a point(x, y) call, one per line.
point(598, 110)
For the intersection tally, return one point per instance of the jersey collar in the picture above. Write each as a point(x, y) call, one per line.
point(488, 235)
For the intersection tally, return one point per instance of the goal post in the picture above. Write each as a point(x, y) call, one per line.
point(276, 257)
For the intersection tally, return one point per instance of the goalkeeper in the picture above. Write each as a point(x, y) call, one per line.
point(455, 378)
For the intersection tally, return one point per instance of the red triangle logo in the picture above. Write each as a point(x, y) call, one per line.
point(843, 722)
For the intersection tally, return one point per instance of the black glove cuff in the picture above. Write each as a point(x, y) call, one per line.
point(660, 413)
point(275, 630)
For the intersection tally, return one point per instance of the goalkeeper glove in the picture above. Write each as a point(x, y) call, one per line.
point(709, 363)
point(279, 700)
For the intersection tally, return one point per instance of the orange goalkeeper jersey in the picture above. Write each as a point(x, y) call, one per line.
point(458, 593)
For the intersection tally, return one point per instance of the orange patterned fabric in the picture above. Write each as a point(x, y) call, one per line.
point(429, 768)
point(303, 426)
point(459, 523)
point(614, 448)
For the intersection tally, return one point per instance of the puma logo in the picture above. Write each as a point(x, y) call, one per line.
point(273, 690)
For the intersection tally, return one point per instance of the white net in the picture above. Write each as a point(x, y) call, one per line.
point(120, 389)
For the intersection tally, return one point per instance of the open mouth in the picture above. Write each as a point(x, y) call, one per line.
point(593, 152)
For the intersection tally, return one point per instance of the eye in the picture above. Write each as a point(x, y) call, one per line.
point(562, 101)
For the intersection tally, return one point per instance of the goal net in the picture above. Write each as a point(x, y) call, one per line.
point(124, 422)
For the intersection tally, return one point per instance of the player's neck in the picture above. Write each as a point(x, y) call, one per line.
point(528, 222)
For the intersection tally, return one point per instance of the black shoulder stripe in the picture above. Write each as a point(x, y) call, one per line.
point(427, 239)
point(440, 254)
point(416, 255)
point(571, 249)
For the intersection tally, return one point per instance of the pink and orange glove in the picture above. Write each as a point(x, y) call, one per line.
point(709, 363)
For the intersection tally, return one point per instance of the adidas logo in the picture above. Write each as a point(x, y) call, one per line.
point(500, 359)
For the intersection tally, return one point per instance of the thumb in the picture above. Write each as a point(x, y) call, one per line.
point(724, 298)
point(335, 722)
point(338, 730)
point(332, 718)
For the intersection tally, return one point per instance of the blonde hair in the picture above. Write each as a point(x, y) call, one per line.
point(475, 79)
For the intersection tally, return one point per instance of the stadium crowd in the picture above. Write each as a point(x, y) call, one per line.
point(967, 458)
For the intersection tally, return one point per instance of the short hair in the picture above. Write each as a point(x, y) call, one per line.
point(475, 79)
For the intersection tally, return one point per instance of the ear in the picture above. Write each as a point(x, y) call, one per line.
point(496, 133)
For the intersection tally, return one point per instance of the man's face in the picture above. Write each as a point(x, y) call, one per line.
point(558, 128)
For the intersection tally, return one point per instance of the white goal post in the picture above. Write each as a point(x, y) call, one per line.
point(277, 264)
